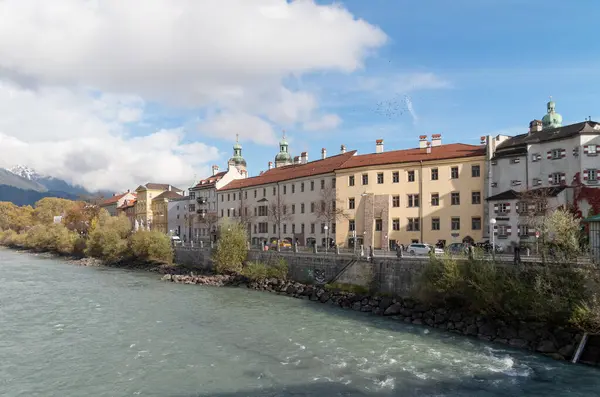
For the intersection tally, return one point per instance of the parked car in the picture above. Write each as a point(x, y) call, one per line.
point(175, 240)
point(282, 244)
point(423, 249)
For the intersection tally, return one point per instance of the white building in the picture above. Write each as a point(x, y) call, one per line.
point(178, 221)
point(288, 202)
point(112, 203)
point(551, 161)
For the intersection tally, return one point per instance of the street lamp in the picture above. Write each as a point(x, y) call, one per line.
point(492, 223)
point(326, 237)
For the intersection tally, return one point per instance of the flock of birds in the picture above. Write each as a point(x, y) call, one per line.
point(395, 107)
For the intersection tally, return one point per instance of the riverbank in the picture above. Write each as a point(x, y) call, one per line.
point(556, 342)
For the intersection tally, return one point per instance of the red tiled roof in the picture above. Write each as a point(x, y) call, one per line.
point(293, 171)
point(169, 194)
point(442, 152)
point(114, 199)
point(211, 180)
point(127, 204)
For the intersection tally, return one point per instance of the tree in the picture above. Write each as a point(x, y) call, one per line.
point(108, 237)
point(49, 207)
point(15, 218)
point(151, 245)
point(78, 217)
point(246, 217)
point(330, 208)
point(278, 212)
point(209, 220)
point(232, 248)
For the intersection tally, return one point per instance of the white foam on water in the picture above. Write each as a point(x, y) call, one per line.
point(389, 383)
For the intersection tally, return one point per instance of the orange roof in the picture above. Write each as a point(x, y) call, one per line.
point(114, 199)
point(211, 180)
point(293, 171)
point(127, 204)
point(442, 152)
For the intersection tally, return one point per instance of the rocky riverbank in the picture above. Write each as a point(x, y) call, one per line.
point(556, 342)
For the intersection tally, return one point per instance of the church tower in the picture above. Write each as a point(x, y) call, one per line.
point(237, 159)
point(551, 119)
point(283, 157)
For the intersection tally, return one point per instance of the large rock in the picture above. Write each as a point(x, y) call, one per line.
point(521, 343)
point(385, 303)
point(546, 346)
point(488, 329)
point(472, 330)
point(567, 351)
point(324, 297)
point(393, 310)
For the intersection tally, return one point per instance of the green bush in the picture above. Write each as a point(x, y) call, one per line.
point(232, 248)
point(107, 238)
point(256, 271)
point(151, 245)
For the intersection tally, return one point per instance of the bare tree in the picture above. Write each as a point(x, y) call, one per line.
point(209, 220)
point(246, 218)
point(329, 208)
point(279, 212)
point(190, 224)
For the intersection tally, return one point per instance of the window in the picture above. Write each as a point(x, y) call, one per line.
point(302, 208)
point(454, 172)
point(333, 228)
point(322, 184)
point(515, 160)
point(322, 206)
point(274, 190)
point(396, 201)
point(263, 210)
point(411, 176)
point(333, 182)
point(591, 150)
point(413, 225)
point(255, 211)
point(380, 178)
point(365, 179)
point(556, 154)
point(245, 195)
point(284, 189)
point(222, 197)
point(351, 180)
point(284, 209)
point(435, 199)
point(284, 228)
point(395, 224)
point(475, 171)
point(264, 192)
point(333, 206)
point(293, 208)
point(255, 229)
point(556, 178)
point(255, 193)
point(302, 187)
point(502, 208)
point(192, 195)
point(378, 225)
point(536, 157)
point(434, 174)
point(351, 203)
point(455, 223)
point(455, 198)
point(476, 223)
point(592, 175)
point(322, 228)
point(523, 230)
point(302, 228)
point(312, 228)
point(351, 225)
point(246, 211)
point(293, 188)
point(263, 227)
point(312, 207)
point(192, 207)
point(222, 214)
point(435, 223)
point(475, 197)
point(312, 186)
point(293, 228)
point(274, 228)
point(228, 197)
point(395, 177)
point(413, 200)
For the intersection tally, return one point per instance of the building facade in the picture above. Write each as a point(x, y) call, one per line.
point(428, 194)
point(549, 162)
point(128, 209)
point(293, 202)
point(113, 203)
point(160, 209)
point(179, 219)
point(145, 194)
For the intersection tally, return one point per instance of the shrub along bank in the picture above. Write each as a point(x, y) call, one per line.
point(85, 230)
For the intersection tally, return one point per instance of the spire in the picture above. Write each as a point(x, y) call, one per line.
point(283, 157)
point(551, 119)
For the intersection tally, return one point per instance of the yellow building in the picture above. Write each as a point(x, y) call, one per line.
point(431, 193)
point(145, 194)
point(160, 210)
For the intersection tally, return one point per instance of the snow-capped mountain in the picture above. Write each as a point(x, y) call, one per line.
point(25, 172)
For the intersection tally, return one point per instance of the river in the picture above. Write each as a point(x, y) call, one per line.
point(75, 331)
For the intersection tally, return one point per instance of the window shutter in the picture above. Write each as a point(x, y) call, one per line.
point(598, 174)
point(496, 208)
point(507, 208)
point(532, 232)
point(550, 178)
point(563, 178)
point(563, 153)
point(585, 149)
point(508, 231)
point(586, 175)
point(549, 154)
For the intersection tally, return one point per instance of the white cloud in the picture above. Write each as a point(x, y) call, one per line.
point(84, 71)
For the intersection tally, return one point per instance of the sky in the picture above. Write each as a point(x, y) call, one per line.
point(111, 94)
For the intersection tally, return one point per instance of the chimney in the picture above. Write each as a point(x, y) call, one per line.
point(270, 165)
point(483, 140)
point(296, 159)
point(304, 157)
point(215, 170)
point(429, 147)
point(379, 146)
point(535, 126)
point(169, 188)
point(323, 153)
point(422, 141)
point(436, 140)
point(342, 149)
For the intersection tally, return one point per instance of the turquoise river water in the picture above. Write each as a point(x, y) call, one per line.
point(74, 331)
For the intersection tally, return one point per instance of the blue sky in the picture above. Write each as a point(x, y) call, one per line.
point(488, 66)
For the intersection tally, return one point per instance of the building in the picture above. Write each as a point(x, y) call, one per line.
point(145, 194)
point(293, 201)
point(128, 209)
point(593, 223)
point(179, 220)
point(161, 206)
point(111, 204)
point(547, 167)
point(426, 194)
point(203, 196)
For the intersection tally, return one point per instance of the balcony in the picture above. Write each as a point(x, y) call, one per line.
point(202, 200)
